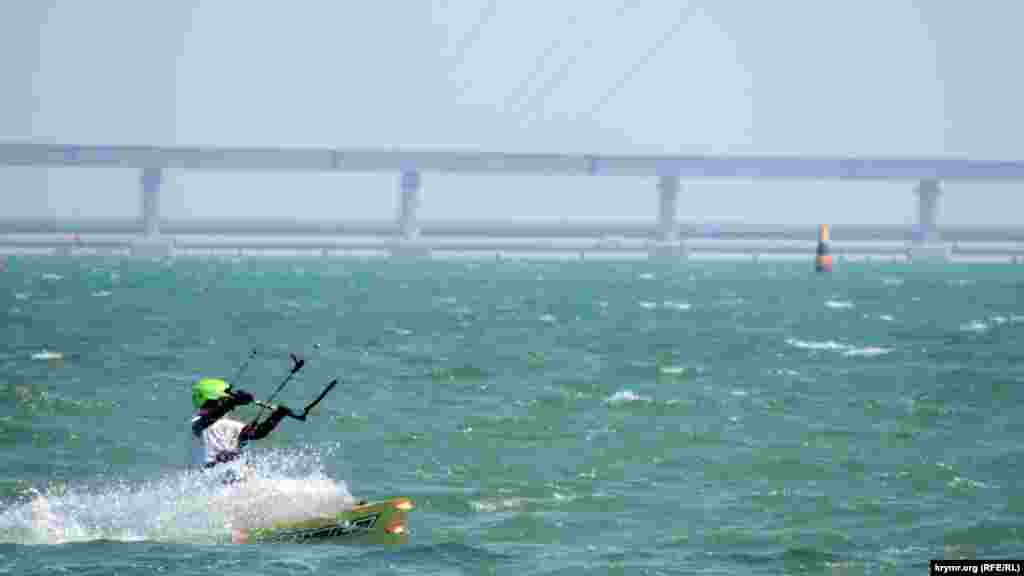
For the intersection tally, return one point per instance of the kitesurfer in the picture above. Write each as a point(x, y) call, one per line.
point(217, 439)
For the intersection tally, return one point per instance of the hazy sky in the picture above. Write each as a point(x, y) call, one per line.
point(873, 77)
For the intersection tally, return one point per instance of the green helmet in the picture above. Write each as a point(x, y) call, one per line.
point(208, 389)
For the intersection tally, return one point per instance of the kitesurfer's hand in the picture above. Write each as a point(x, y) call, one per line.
point(242, 397)
point(282, 411)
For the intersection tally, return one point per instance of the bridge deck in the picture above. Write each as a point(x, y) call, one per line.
point(456, 161)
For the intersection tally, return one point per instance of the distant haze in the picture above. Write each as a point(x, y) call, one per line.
point(873, 78)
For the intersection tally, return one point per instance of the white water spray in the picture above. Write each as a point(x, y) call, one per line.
point(282, 486)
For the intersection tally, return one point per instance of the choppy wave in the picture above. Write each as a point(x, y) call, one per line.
point(832, 345)
point(974, 326)
point(673, 370)
point(986, 324)
point(626, 397)
point(499, 504)
point(839, 304)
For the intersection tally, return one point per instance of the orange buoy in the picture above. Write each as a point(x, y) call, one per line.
point(822, 259)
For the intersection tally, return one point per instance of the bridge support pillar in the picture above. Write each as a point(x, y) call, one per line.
point(408, 243)
point(926, 244)
point(151, 244)
point(668, 245)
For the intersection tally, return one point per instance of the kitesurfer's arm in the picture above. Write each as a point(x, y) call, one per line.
point(213, 410)
point(254, 431)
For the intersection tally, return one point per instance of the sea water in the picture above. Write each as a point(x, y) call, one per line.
point(545, 416)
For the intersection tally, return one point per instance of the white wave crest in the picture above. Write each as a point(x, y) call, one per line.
point(868, 352)
point(846, 349)
point(626, 396)
point(812, 345)
point(672, 370)
point(974, 326)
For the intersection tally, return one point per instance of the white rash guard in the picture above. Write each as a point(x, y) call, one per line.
point(216, 442)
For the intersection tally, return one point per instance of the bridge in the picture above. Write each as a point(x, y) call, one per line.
point(406, 233)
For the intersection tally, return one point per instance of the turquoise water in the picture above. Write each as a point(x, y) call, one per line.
point(546, 417)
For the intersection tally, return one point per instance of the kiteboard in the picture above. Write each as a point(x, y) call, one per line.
point(381, 522)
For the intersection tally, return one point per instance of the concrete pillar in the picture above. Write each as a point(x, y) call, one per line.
point(151, 244)
point(928, 192)
point(927, 243)
point(408, 243)
point(151, 180)
point(668, 243)
point(668, 202)
point(409, 205)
